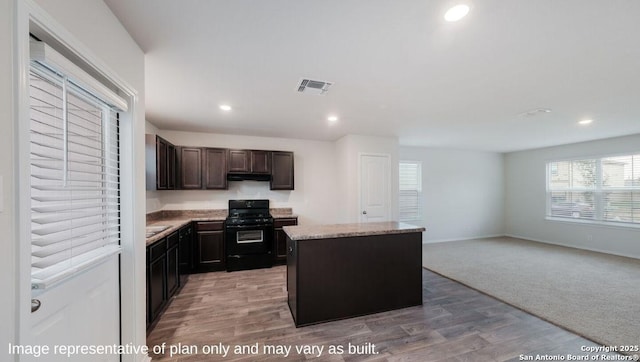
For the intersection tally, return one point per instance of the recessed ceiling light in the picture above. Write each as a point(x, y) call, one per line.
point(456, 13)
point(332, 119)
point(225, 107)
point(585, 122)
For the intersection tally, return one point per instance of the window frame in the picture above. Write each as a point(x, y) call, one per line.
point(598, 192)
point(50, 66)
point(418, 214)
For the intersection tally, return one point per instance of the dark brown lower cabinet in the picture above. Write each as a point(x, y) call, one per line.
point(280, 238)
point(173, 264)
point(156, 279)
point(163, 275)
point(336, 278)
point(186, 252)
point(209, 248)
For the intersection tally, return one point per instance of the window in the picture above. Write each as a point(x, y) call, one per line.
point(74, 163)
point(603, 189)
point(410, 189)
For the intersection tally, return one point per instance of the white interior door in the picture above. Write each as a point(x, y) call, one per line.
point(83, 311)
point(375, 187)
point(68, 154)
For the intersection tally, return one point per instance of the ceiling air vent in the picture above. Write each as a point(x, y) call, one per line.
point(313, 86)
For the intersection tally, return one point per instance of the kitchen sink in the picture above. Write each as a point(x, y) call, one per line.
point(152, 230)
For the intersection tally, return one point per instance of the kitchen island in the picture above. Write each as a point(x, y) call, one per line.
point(347, 270)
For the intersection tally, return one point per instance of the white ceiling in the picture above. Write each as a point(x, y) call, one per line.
point(398, 68)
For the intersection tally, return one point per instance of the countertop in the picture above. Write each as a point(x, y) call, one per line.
point(308, 232)
point(176, 219)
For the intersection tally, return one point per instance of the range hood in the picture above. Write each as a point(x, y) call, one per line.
point(248, 177)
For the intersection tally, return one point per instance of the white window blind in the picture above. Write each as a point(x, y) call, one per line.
point(603, 189)
point(75, 197)
point(410, 189)
point(621, 188)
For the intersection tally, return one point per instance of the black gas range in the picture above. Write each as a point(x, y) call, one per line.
point(249, 235)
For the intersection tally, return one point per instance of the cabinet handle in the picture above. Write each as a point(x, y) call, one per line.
point(290, 250)
point(364, 212)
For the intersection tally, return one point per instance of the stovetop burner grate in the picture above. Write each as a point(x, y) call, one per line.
point(249, 212)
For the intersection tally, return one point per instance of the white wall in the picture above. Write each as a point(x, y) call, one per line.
point(526, 199)
point(314, 199)
point(462, 192)
point(348, 149)
point(91, 25)
point(8, 275)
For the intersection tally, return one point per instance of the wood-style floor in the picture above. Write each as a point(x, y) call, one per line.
point(455, 323)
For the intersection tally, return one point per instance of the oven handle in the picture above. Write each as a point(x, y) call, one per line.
point(257, 227)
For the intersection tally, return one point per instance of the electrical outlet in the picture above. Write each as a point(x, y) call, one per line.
point(589, 237)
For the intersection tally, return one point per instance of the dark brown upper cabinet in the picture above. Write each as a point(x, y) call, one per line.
point(195, 168)
point(190, 168)
point(160, 162)
point(171, 167)
point(249, 161)
point(202, 168)
point(260, 162)
point(239, 161)
point(215, 168)
point(282, 170)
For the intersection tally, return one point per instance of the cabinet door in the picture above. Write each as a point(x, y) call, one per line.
point(280, 238)
point(210, 251)
point(215, 168)
point(148, 298)
point(190, 168)
point(260, 162)
point(171, 167)
point(186, 250)
point(282, 170)
point(173, 264)
point(239, 161)
point(161, 164)
point(157, 292)
point(173, 271)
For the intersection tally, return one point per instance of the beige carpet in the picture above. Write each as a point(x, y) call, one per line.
point(591, 294)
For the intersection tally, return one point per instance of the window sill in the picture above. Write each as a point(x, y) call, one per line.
point(606, 224)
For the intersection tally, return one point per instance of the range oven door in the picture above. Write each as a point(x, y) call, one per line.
point(249, 236)
point(249, 239)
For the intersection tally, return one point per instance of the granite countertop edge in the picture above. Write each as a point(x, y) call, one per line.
point(349, 230)
point(177, 221)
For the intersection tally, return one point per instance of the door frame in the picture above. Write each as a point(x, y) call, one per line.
point(389, 184)
point(132, 259)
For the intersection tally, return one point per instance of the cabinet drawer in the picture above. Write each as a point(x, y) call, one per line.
point(209, 225)
point(158, 249)
point(285, 222)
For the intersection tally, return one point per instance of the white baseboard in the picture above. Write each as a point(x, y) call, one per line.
point(461, 238)
point(571, 246)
